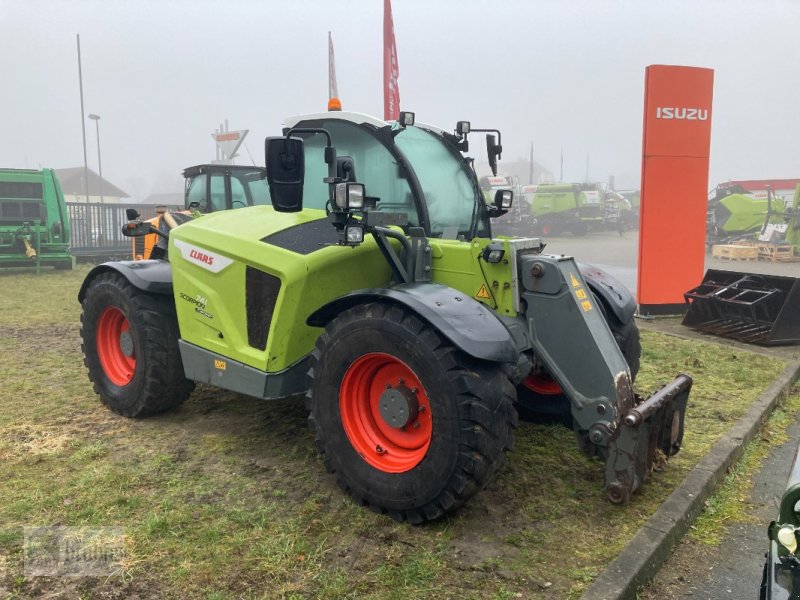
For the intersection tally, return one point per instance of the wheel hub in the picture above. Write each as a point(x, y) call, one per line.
point(126, 343)
point(398, 406)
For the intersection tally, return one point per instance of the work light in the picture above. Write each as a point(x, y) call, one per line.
point(406, 119)
point(350, 196)
point(493, 253)
point(462, 128)
point(354, 234)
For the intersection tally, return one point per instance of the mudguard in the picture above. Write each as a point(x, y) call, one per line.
point(614, 295)
point(154, 276)
point(468, 324)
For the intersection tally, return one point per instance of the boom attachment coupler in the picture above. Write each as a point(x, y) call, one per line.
point(565, 320)
point(649, 434)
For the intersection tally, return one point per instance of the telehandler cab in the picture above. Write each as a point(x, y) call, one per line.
point(373, 285)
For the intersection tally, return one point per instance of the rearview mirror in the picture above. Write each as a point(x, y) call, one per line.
point(503, 199)
point(493, 150)
point(285, 165)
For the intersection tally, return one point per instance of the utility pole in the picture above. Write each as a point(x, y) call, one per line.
point(530, 173)
point(83, 125)
point(96, 119)
point(561, 169)
point(587, 168)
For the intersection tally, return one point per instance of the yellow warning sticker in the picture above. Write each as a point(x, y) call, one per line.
point(586, 305)
point(483, 293)
point(580, 294)
point(574, 280)
point(220, 364)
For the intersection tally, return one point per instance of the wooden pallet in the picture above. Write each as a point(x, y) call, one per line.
point(776, 252)
point(730, 252)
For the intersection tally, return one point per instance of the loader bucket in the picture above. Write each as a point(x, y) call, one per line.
point(748, 307)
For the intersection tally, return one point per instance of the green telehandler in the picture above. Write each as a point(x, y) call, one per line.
point(373, 285)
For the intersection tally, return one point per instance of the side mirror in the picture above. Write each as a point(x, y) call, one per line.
point(137, 229)
point(493, 150)
point(503, 199)
point(132, 214)
point(285, 161)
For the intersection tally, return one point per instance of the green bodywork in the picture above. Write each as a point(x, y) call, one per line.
point(740, 214)
point(562, 204)
point(307, 281)
point(32, 210)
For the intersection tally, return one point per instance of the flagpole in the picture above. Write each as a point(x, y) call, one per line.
point(83, 125)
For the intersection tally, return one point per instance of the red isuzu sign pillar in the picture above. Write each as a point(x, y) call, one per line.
point(675, 149)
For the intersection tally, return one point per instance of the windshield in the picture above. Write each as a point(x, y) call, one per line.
point(413, 171)
point(446, 182)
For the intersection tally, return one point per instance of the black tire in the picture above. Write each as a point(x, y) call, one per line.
point(534, 406)
point(156, 381)
point(472, 414)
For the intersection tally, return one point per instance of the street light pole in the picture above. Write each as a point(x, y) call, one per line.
point(96, 119)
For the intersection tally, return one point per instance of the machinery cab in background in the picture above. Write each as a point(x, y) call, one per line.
point(211, 187)
point(208, 188)
point(34, 224)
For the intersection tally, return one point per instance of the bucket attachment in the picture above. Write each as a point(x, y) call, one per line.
point(749, 307)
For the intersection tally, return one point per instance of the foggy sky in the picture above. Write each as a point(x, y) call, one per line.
point(561, 74)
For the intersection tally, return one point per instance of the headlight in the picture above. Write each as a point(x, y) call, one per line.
point(350, 196)
point(354, 234)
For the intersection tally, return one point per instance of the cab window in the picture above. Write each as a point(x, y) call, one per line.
point(375, 166)
point(217, 192)
point(197, 192)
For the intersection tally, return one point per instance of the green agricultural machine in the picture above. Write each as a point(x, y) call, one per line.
point(574, 208)
point(374, 286)
point(34, 224)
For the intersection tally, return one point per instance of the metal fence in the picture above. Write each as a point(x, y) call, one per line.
point(97, 228)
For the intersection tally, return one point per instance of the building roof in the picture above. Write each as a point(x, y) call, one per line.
point(71, 181)
point(165, 198)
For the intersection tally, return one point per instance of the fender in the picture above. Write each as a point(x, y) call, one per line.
point(615, 296)
point(467, 323)
point(154, 276)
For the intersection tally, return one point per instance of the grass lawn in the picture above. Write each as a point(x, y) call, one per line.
point(226, 498)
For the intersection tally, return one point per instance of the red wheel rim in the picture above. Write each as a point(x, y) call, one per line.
point(542, 383)
point(115, 346)
point(387, 448)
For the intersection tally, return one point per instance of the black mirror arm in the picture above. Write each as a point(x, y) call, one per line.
point(499, 147)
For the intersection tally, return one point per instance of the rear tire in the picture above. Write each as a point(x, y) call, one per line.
point(130, 347)
point(452, 448)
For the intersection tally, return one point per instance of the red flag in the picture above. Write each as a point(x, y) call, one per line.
point(391, 91)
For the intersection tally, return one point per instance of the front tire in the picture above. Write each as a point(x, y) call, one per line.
point(411, 426)
point(130, 347)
